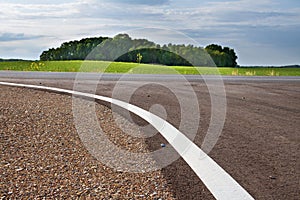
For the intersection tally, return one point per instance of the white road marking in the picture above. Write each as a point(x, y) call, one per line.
point(217, 180)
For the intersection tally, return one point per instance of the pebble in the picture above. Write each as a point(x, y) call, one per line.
point(19, 169)
point(154, 193)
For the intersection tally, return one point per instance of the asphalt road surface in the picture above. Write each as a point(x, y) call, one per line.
point(135, 77)
point(259, 144)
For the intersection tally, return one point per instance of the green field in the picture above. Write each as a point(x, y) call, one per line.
point(135, 68)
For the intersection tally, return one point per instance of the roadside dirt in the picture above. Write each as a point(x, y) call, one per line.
point(42, 156)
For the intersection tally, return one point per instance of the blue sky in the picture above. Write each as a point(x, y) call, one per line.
point(264, 32)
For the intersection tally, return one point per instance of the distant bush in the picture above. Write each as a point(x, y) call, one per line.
point(123, 48)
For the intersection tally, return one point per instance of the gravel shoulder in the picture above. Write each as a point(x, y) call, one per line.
point(43, 157)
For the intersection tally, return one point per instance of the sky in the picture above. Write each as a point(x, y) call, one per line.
point(264, 32)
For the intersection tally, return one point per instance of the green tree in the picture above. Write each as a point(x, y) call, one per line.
point(123, 48)
point(139, 58)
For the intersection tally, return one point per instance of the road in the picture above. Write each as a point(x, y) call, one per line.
point(136, 77)
point(259, 144)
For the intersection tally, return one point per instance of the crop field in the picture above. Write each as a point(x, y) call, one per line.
point(136, 68)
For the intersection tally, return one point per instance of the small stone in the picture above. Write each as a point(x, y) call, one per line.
point(20, 169)
point(154, 194)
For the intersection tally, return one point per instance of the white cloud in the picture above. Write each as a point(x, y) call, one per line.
point(226, 22)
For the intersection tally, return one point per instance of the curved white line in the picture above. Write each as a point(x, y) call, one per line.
point(217, 180)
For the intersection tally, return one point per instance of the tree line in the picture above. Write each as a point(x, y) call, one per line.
point(123, 48)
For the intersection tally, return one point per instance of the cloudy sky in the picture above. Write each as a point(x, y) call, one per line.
point(263, 32)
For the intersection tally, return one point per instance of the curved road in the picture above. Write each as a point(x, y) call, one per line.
point(260, 139)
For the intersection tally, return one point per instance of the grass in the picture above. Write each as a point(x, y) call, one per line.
point(135, 68)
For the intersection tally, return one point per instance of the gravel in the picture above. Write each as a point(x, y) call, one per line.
point(42, 155)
